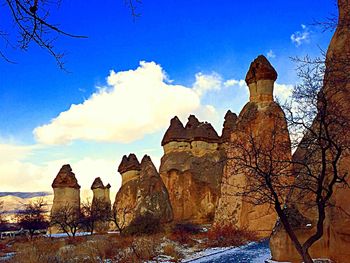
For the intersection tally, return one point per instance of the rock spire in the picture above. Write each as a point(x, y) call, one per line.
point(260, 80)
point(129, 163)
point(65, 178)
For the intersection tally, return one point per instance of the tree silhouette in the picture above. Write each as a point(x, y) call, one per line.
point(31, 19)
point(33, 216)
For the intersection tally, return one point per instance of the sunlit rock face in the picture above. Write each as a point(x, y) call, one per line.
point(125, 200)
point(129, 168)
point(335, 242)
point(100, 191)
point(152, 195)
point(66, 192)
point(192, 166)
point(142, 192)
point(259, 119)
point(102, 202)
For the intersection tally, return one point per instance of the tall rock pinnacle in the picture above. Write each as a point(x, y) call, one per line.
point(260, 80)
point(65, 178)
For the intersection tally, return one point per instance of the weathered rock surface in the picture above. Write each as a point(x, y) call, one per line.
point(129, 163)
point(260, 69)
point(101, 193)
point(335, 242)
point(193, 131)
point(152, 195)
point(258, 119)
point(192, 167)
point(65, 178)
point(101, 203)
point(97, 184)
point(229, 126)
point(144, 193)
point(260, 80)
point(129, 168)
point(66, 192)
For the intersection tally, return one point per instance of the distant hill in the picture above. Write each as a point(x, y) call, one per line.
point(14, 201)
point(25, 195)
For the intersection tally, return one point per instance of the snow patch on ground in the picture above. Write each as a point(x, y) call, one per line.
point(316, 260)
point(209, 253)
point(58, 235)
point(251, 253)
point(273, 261)
point(7, 256)
point(255, 252)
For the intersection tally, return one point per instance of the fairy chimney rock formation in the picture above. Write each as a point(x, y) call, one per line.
point(175, 132)
point(97, 184)
point(228, 127)
point(260, 80)
point(66, 191)
point(101, 192)
point(101, 202)
point(129, 168)
point(144, 194)
point(153, 197)
point(197, 137)
point(191, 169)
point(65, 178)
point(258, 118)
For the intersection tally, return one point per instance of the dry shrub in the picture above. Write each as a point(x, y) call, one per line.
point(188, 228)
point(2, 246)
point(39, 250)
point(116, 248)
point(143, 225)
point(75, 240)
point(97, 248)
point(145, 248)
point(170, 250)
point(183, 238)
point(121, 242)
point(229, 235)
point(183, 232)
point(94, 249)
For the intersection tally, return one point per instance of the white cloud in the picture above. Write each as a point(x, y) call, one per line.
point(283, 91)
point(300, 37)
point(233, 82)
point(17, 174)
point(87, 169)
point(271, 54)
point(10, 152)
point(206, 83)
point(135, 103)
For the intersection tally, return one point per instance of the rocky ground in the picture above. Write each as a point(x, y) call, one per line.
point(174, 244)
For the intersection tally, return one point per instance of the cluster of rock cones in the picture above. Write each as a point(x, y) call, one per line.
point(196, 179)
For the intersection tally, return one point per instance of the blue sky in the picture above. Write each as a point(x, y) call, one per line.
point(192, 50)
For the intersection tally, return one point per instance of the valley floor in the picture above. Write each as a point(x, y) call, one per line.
point(255, 252)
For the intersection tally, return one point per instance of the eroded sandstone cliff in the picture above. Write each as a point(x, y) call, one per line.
point(259, 119)
point(142, 192)
point(192, 167)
